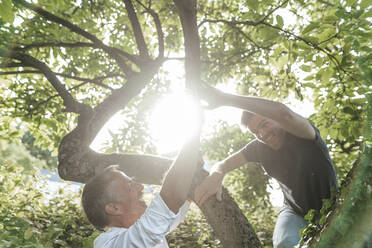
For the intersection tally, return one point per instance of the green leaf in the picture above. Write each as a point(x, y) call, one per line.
point(28, 233)
point(327, 33)
point(305, 68)
point(351, 2)
point(312, 39)
point(268, 34)
point(325, 74)
point(318, 61)
point(279, 20)
point(310, 27)
point(367, 14)
point(341, 13)
point(310, 215)
point(252, 4)
point(364, 4)
point(323, 220)
point(311, 85)
point(356, 45)
point(6, 11)
point(359, 101)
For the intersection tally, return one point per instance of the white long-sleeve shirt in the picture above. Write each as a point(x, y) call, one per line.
point(148, 232)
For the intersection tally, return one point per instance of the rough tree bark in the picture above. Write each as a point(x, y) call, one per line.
point(226, 219)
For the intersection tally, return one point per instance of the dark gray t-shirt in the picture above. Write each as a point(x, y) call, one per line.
point(302, 168)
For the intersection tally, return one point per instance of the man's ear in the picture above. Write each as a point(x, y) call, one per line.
point(112, 209)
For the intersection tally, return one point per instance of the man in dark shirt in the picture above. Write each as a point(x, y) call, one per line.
point(289, 148)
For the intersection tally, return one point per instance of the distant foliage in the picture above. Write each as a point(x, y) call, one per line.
point(194, 232)
point(36, 151)
point(16, 153)
point(29, 219)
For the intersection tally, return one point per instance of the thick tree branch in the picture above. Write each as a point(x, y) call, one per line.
point(70, 103)
point(45, 102)
point(137, 30)
point(97, 80)
point(81, 164)
point(131, 57)
point(51, 17)
point(120, 97)
point(74, 28)
point(20, 72)
point(158, 28)
point(240, 232)
point(8, 64)
point(187, 12)
point(54, 44)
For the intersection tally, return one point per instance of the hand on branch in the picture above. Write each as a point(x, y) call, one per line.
point(213, 97)
point(211, 185)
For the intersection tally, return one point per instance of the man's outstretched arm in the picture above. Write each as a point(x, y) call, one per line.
point(178, 180)
point(288, 120)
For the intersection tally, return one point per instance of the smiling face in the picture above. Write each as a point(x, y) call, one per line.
point(267, 131)
point(127, 195)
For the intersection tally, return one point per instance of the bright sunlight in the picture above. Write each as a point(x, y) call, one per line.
point(173, 116)
point(172, 121)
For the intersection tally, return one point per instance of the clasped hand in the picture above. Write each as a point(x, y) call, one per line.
point(211, 185)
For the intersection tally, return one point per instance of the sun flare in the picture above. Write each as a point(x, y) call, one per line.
point(173, 119)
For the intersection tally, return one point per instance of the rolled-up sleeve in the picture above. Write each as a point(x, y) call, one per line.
point(252, 151)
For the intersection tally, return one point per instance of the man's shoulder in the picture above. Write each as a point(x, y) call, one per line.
point(254, 151)
point(254, 142)
point(257, 146)
point(107, 238)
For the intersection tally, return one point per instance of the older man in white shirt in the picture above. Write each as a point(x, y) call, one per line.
point(113, 202)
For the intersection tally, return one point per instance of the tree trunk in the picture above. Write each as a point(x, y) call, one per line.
point(227, 220)
point(350, 223)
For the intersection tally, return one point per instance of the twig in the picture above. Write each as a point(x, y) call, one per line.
point(74, 28)
point(70, 103)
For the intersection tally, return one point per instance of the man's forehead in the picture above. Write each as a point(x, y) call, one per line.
point(117, 174)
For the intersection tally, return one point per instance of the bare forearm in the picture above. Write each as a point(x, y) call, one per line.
point(230, 163)
point(178, 180)
point(288, 120)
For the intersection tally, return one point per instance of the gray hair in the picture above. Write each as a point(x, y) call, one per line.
point(96, 195)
